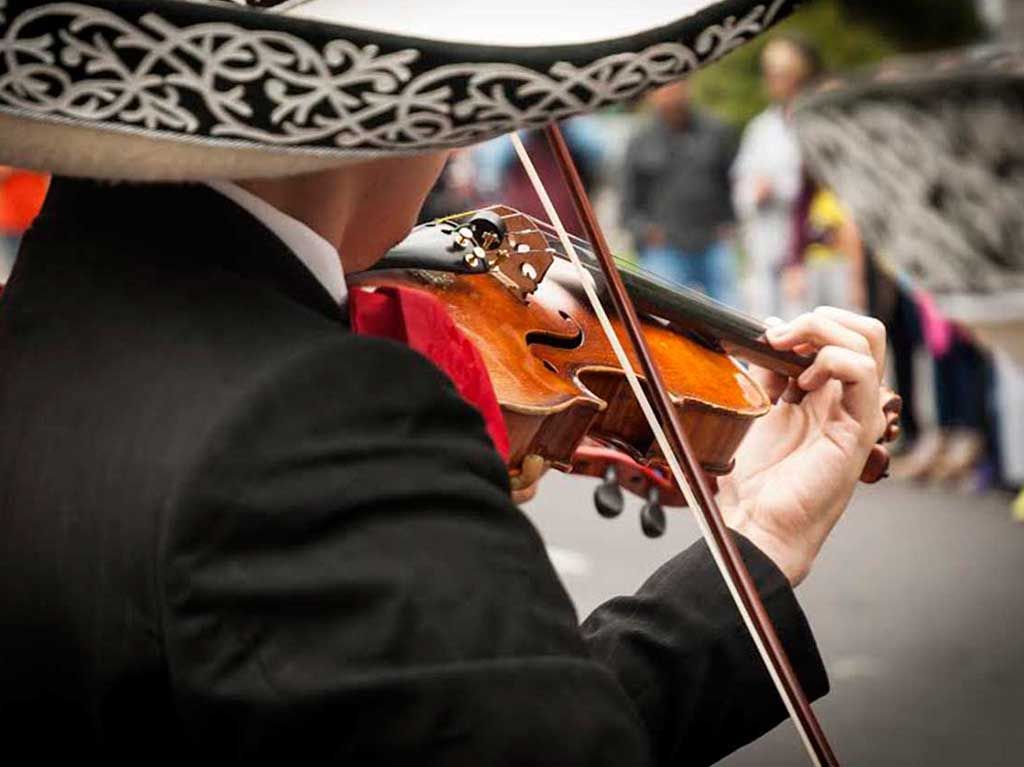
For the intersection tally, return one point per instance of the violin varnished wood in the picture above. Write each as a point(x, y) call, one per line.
point(557, 378)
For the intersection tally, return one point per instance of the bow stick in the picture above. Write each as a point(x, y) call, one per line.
point(675, 446)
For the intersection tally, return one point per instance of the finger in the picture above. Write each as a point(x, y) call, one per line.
point(525, 495)
point(774, 384)
point(873, 330)
point(818, 330)
point(530, 472)
point(841, 364)
point(805, 350)
point(793, 394)
point(859, 376)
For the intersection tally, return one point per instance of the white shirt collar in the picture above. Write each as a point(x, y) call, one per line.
point(318, 255)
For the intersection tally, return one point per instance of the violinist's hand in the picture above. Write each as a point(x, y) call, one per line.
point(525, 484)
point(798, 466)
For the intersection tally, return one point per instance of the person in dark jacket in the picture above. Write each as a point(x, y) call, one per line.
point(676, 194)
point(231, 528)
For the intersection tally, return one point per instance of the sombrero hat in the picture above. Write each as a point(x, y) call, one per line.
point(190, 89)
point(926, 152)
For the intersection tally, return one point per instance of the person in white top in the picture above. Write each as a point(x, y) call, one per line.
point(767, 174)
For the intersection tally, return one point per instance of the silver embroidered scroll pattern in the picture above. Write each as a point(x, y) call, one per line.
point(272, 87)
point(159, 76)
point(887, 159)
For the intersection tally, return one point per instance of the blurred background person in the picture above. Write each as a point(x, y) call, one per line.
point(676, 196)
point(500, 177)
point(890, 297)
point(768, 173)
point(455, 190)
point(961, 439)
point(826, 268)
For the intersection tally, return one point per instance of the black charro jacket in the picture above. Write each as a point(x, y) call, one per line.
point(230, 529)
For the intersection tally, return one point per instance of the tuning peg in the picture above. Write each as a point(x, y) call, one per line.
point(608, 495)
point(652, 515)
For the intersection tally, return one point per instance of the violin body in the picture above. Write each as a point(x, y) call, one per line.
point(557, 379)
point(556, 376)
point(561, 389)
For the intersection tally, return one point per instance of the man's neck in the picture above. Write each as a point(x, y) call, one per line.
point(321, 201)
point(362, 209)
point(319, 255)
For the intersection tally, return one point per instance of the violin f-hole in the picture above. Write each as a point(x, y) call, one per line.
point(572, 339)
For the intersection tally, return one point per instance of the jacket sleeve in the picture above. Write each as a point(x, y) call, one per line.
point(682, 652)
point(345, 577)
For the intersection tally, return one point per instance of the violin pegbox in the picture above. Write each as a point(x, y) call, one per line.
point(522, 257)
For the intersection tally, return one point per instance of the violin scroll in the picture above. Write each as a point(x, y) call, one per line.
point(877, 466)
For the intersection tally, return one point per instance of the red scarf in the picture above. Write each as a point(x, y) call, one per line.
point(419, 321)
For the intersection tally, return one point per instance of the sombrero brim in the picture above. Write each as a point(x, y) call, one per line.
point(170, 89)
point(927, 155)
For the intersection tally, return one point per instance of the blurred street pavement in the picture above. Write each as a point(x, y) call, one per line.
point(917, 602)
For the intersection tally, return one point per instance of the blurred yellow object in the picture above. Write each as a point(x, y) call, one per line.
point(825, 215)
point(1018, 507)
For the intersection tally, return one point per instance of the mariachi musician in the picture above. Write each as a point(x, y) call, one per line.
point(231, 527)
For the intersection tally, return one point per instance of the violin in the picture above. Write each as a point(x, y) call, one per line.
point(504, 280)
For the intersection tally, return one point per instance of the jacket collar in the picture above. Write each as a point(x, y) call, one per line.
point(319, 255)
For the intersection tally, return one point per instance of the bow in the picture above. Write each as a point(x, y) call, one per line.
point(675, 446)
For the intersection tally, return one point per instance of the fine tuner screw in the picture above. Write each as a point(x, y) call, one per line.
point(608, 495)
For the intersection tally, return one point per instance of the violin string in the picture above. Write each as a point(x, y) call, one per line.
point(683, 291)
point(673, 462)
point(583, 247)
point(546, 229)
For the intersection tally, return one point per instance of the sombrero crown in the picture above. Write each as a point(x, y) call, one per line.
point(188, 89)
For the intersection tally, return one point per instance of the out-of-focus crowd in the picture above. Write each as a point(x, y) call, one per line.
point(736, 215)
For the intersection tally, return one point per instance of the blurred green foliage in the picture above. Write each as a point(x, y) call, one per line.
point(849, 33)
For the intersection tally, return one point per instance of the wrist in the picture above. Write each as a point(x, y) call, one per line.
point(791, 555)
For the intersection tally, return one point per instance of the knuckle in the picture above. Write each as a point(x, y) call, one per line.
point(876, 329)
point(829, 356)
point(808, 324)
point(798, 323)
point(833, 313)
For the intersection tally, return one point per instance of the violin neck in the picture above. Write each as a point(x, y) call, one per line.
point(737, 333)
